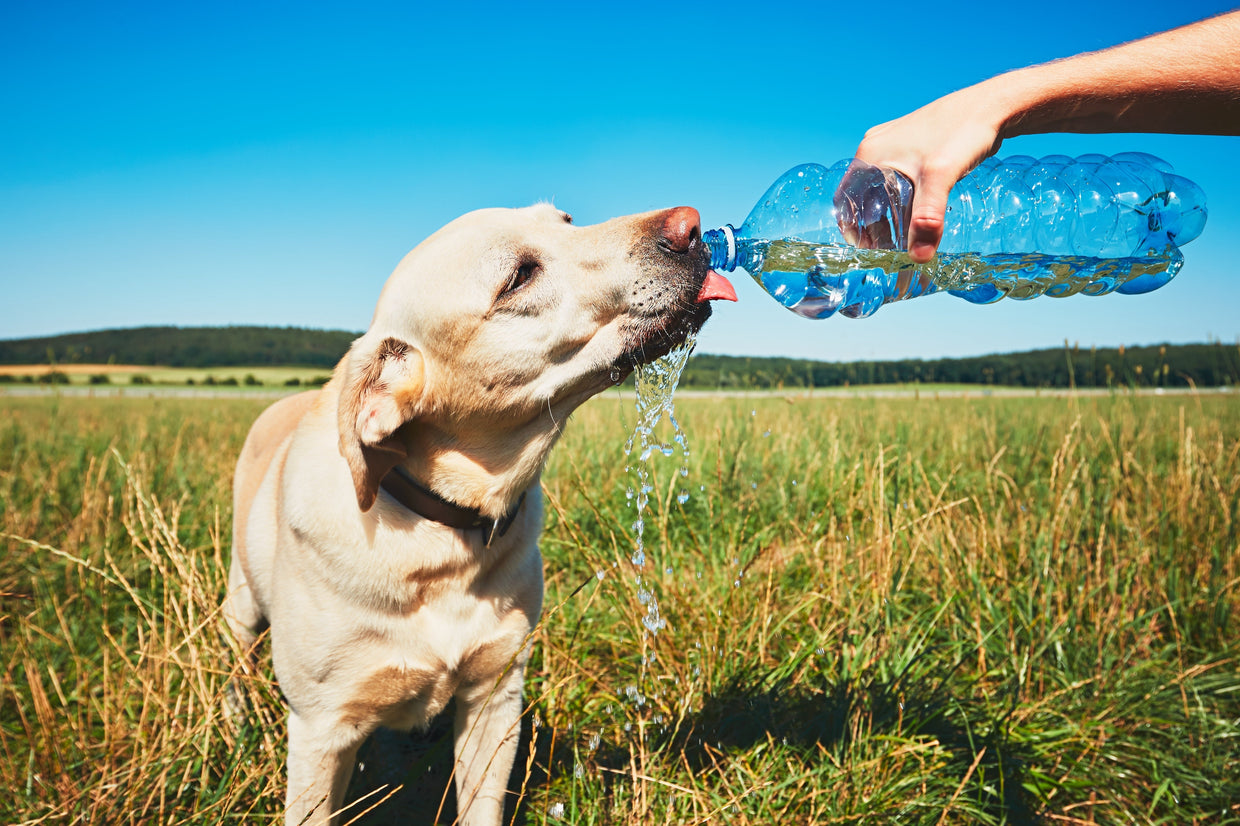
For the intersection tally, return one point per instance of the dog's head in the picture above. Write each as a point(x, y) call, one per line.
point(499, 325)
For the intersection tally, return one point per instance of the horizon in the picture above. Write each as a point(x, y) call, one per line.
point(240, 165)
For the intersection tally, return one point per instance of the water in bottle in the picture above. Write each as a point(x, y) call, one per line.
point(826, 240)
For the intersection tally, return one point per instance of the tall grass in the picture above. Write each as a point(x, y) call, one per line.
point(920, 611)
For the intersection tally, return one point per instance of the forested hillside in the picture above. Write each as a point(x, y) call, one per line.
point(185, 347)
point(1183, 365)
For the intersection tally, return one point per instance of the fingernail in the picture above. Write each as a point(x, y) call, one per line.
point(921, 253)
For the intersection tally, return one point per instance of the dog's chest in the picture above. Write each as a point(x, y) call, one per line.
point(417, 613)
point(420, 662)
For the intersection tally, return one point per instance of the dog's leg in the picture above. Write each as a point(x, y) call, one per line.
point(488, 727)
point(246, 621)
point(319, 767)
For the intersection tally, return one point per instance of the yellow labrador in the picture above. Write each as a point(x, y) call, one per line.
point(386, 526)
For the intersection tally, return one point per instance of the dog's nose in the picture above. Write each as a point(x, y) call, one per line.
point(681, 227)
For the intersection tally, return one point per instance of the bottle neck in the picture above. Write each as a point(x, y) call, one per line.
point(722, 245)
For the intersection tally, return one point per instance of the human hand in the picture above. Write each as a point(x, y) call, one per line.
point(1128, 88)
point(934, 147)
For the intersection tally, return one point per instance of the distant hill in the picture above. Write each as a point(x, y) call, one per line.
point(185, 347)
point(1179, 365)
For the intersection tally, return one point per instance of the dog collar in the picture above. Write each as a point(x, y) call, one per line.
point(426, 503)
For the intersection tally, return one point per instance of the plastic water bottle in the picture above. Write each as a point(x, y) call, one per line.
point(825, 240)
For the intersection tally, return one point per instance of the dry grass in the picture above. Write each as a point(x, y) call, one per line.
point(928, 611)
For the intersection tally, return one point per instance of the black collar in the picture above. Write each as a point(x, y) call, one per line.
point(426, 503)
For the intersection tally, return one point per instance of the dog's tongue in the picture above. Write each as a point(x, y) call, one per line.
point(716, 287)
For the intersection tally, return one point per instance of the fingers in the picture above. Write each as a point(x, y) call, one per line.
point(929, 214)
point(934, 146)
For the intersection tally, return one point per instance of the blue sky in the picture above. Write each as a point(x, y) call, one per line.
point(269, 163)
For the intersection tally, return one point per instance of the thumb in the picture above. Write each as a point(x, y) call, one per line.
point(928, 216)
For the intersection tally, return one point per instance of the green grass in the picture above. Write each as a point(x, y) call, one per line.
point(917, 610)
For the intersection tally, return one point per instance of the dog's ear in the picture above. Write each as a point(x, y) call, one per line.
point(382, 390)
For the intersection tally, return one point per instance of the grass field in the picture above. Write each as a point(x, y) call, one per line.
point(941, 611)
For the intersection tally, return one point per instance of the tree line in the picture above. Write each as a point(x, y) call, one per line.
point(1168, 365)
point(185, 347)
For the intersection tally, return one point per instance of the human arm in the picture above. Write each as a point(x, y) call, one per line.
point(1185, 81)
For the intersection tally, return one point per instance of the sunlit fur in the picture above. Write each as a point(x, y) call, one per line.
point(485, 338)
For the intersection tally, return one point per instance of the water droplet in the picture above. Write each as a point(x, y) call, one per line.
point(682, 497)
point(599, 574)
point(614, 375)
point(556, 810)
point(635, 697)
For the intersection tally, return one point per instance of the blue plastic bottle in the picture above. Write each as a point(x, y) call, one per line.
point(826, 240)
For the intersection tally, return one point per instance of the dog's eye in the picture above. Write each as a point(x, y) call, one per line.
point(568, 219)
point(524, 274)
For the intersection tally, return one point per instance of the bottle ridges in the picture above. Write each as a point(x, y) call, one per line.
point(825, 240)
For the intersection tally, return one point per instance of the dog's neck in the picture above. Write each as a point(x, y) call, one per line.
point(406, 490)
point(452, 467)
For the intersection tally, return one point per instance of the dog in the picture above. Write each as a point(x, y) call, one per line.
point(385, 526)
